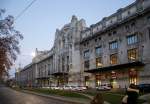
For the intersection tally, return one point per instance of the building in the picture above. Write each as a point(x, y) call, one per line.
point(67, 52)
point(61, 65)
point(115, 50)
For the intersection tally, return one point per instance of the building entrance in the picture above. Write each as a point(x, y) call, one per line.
point(98, 80)
point(133, 76)
point(113, 80)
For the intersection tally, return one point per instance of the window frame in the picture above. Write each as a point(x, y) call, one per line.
point(98, 59)
point(132, 39)
point(112, 60)
point(86, 55)
point(113, 45)
point(132, 53)
point(98, 50)
point(86, 64)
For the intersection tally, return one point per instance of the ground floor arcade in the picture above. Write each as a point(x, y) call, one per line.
point(118, 76)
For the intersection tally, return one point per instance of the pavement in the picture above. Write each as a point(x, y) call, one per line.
point(145, 97)
point(65, 99)
point(9, 96)
point(60, 98)
point(91, 97)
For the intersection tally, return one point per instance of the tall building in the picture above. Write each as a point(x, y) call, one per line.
point(67, 52)
point(115, 51)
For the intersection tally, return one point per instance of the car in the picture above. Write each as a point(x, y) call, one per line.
point(144, 88)
point(104, 87)
point(80, 88)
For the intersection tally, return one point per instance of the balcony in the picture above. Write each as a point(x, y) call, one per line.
point(116, 67)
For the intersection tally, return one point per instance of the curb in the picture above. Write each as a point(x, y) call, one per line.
point(54, 97)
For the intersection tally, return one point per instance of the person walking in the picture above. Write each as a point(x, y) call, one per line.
point(131, 96)
point(98, 99)
point(132, 93)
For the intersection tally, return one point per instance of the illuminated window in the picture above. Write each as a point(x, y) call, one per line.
point(113, 45)
point(86, 64)
point(98, 50)
point(86, 54)
point(98, 62)
point(132, 39)
point(148, 18)
point(149, 32)
point(132, 54)
point(113, 59)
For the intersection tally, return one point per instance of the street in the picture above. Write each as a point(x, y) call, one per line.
point(9, 96)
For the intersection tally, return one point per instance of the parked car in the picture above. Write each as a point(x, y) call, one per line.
point(104, 87)
point(144, 88)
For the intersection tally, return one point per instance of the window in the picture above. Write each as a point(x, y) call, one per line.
point(95, 40)
point(87, 43)
point(99, 38)
point(132, 54)
point(113, 59)
point(86, 54)
point(133, 24)
point(129, 12)
point(114, 32)
point(86, 64)
point(113, 45)
point(98, 62)
point(109, 34)
point(49, 69)
point(98, 50)
point(148, 18)
point(149, 32)
point(127, 27)
point(132, 39)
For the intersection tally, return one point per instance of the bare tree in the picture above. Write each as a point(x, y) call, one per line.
point(9, 42)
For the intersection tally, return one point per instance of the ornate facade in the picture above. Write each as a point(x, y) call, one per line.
point(114, 50)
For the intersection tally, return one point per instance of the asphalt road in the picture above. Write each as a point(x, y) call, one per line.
point(9, 96)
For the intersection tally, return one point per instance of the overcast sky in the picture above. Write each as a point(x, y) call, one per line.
point(39, 22)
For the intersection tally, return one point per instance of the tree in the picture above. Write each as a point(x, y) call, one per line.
point(9, 42)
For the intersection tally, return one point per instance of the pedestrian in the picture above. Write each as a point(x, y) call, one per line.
point(98, 99)
point(132, 94)
point(124, 100)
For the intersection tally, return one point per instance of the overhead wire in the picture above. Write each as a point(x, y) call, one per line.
point(24, 10)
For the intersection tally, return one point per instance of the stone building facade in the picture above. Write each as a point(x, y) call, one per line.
point(115, 51)
point(61, 65)
point(67, 52)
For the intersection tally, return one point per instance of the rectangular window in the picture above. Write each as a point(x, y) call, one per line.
point(98, 50)
point(86, 54)
point(98, 62)
point(148, 19)
point(149, 32)
point(86, 64)
point(132, 39)
point(113, 45)
point(132, 54)
point(113, 59)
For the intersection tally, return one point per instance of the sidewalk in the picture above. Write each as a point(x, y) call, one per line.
point(145, 97)
point(65, 99)
point(91, 97)
point(61, 98)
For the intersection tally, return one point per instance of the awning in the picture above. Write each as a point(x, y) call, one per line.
point(115, 67)
point(60, 73)
point(42, 78)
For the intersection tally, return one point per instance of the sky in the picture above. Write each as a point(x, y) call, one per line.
point(39, 23)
